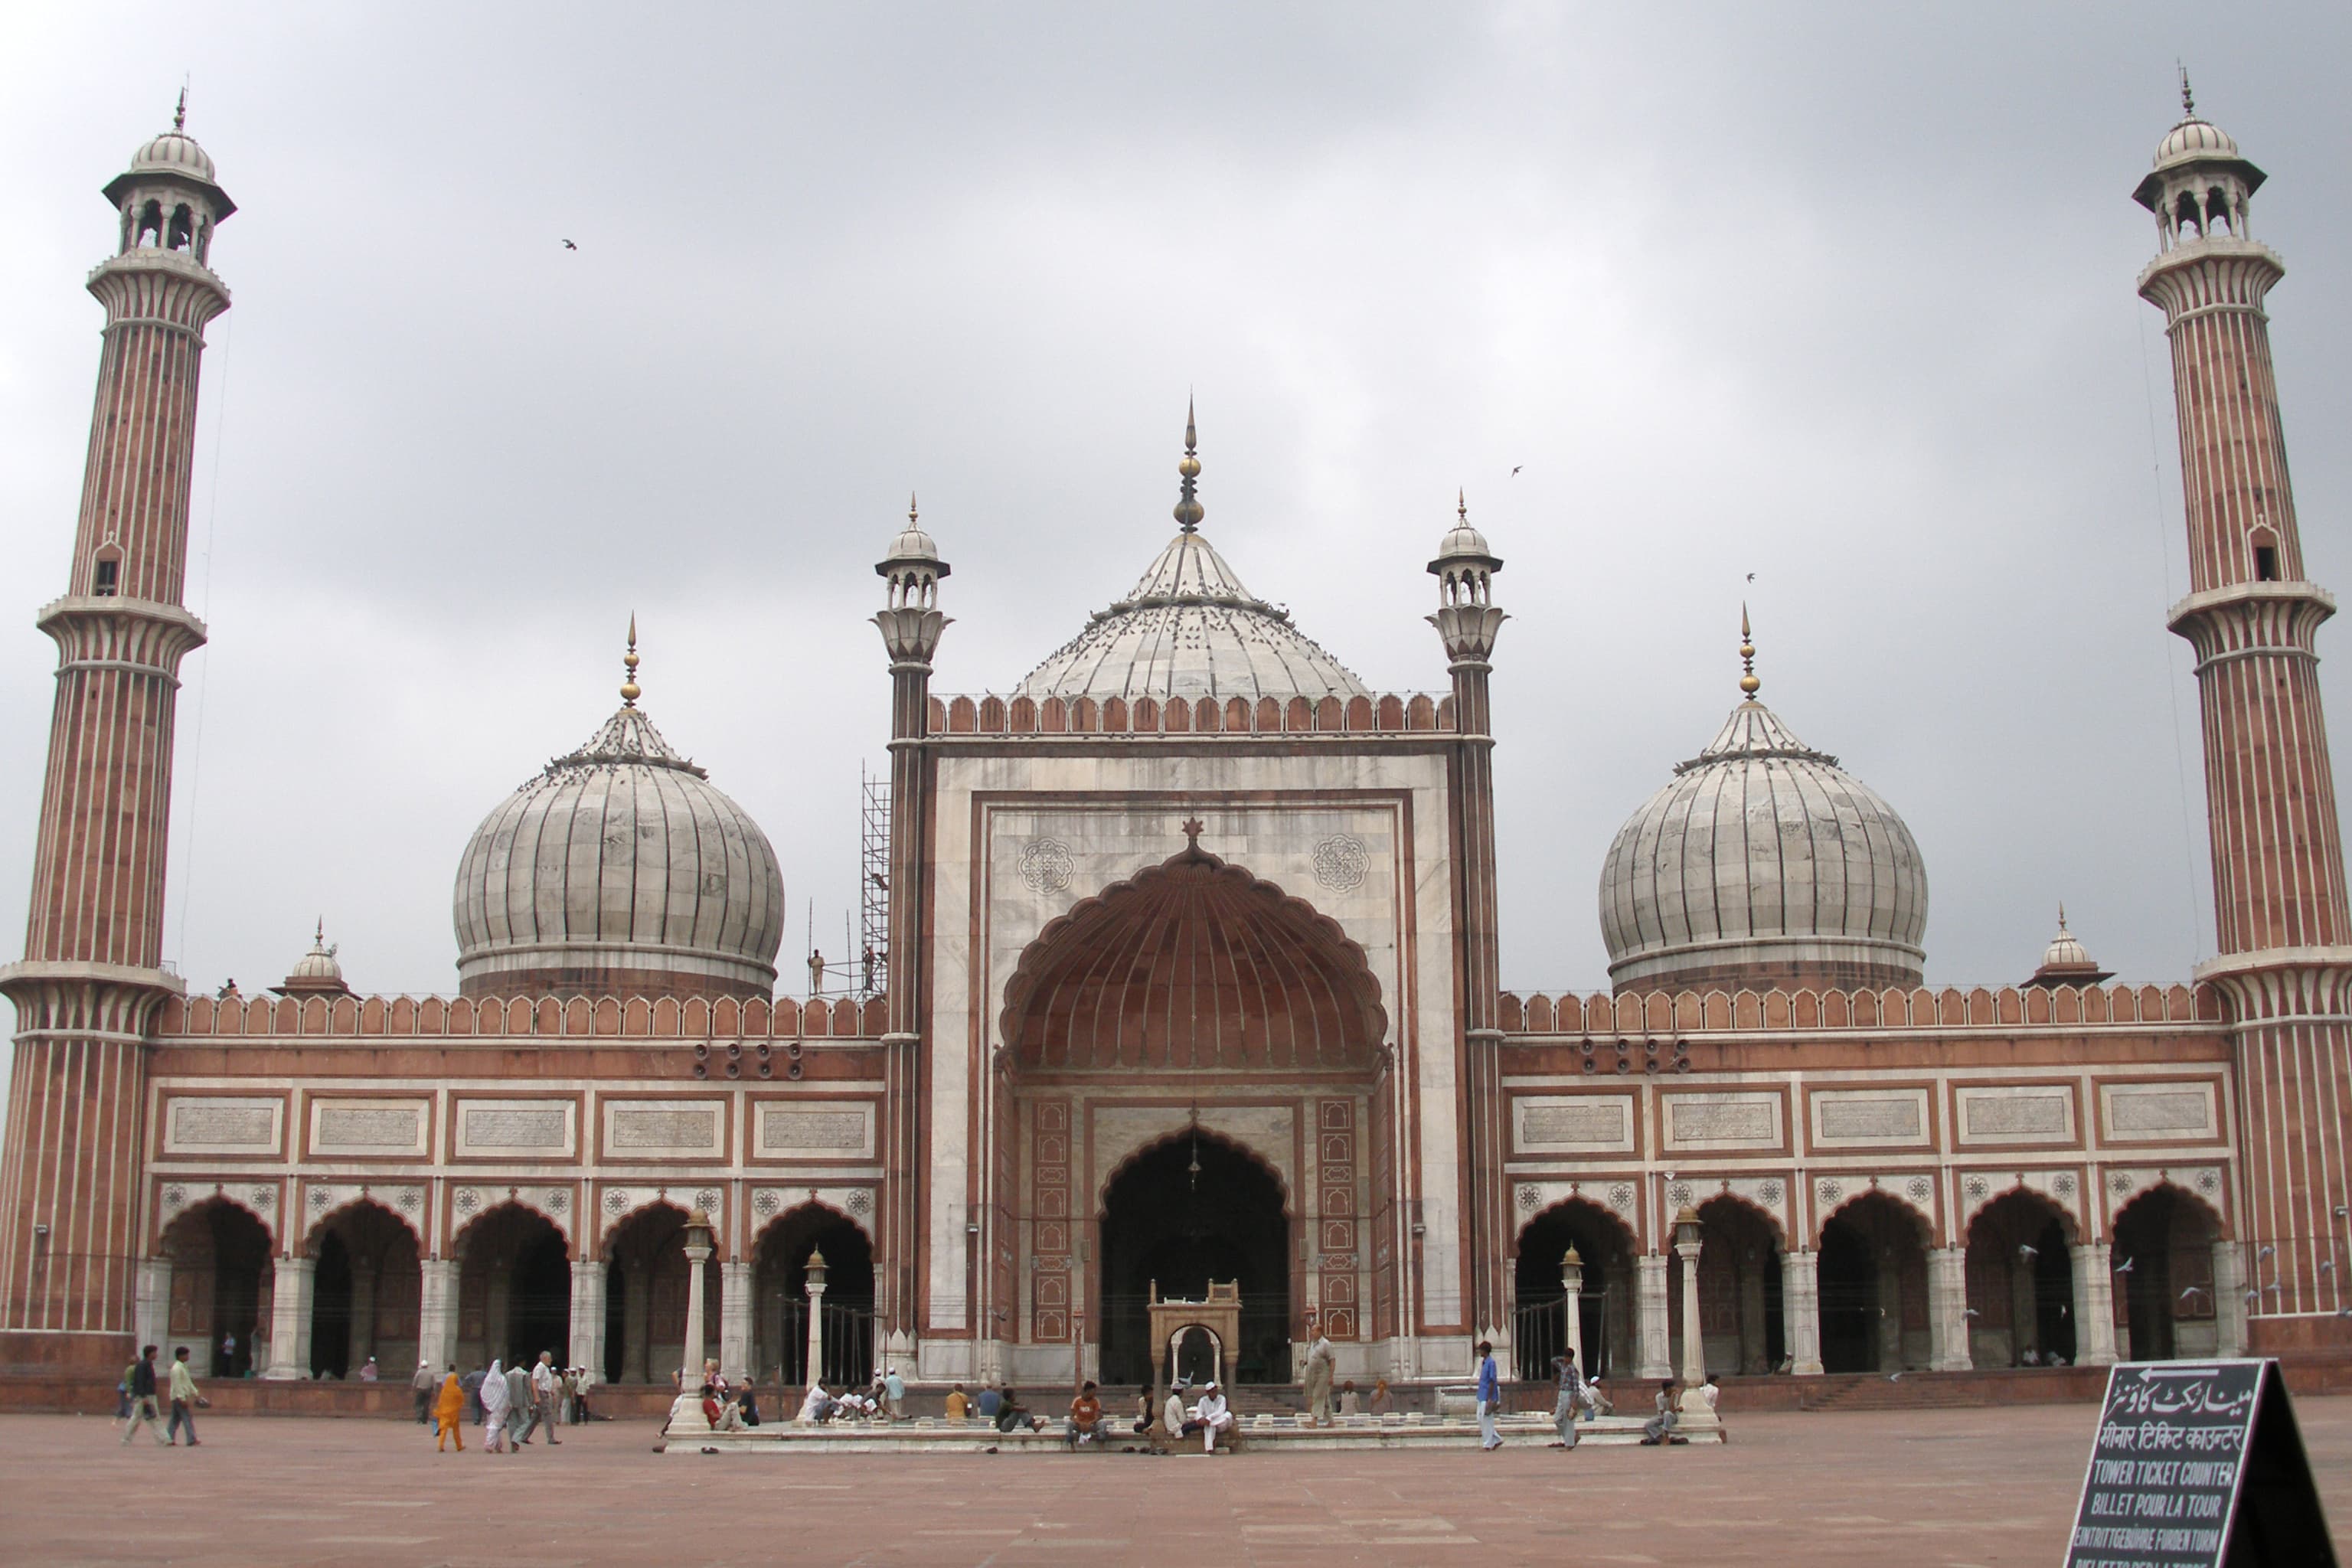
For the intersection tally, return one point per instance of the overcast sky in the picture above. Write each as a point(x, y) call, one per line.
point(1841, 297)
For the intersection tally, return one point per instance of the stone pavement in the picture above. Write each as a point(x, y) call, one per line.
point(1941, 1489)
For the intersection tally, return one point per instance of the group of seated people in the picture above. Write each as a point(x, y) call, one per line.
point(729, 1406)
point(1000, 1408)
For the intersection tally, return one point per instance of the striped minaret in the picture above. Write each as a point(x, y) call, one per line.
point(2281, 923)
point(91, 981)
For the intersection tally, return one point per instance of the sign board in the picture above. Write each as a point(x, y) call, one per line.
point(2197, 1465)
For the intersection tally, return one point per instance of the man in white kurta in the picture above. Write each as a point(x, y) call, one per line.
point(1211, 1416)
point(1319, 1381)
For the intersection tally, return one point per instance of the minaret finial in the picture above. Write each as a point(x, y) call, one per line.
point(1461, 505)
point(2188, 98)
point(630, 689)
point(320, 939)
point(180, 115)
point(910, 509)
point(2062, 916)
point(1747, 681)
point(1187, 505)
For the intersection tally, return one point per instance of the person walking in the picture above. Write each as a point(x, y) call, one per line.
point(1319, 1357)
point(184, 1399)
point(142, 1399)
point(1490, 1398)
point(518, 1404)
point(449, 1413)
point(424, 1385)
point(494, 1398)
point(1571, 1395)
point(122, 1390)
point(544, 1387)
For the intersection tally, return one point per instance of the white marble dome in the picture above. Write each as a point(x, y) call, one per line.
point(2194, 138)
point(173, 152)
point(1189, 629)
point(620, 868)
point(1763, 863)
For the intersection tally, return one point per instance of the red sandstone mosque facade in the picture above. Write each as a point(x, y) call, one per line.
point(1192, 974)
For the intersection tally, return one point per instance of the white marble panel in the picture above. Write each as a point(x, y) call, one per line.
point(817, 1130)
point(1731, 1119)
point(2158, 1112)
point(517, 1129)
point(664, 1128)
point(2016, 1113)
point(223, 1124)
point(1573, 1124)
point(387, 1126)
point(1869, 1118)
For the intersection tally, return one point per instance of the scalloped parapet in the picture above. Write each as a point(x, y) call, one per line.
point(576, 1018)
point(1397, 713)
point(1810, 1012)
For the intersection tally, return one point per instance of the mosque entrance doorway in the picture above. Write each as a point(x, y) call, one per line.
point(645, 1298)
point(2163, 1256)
point(1190, 1209)
point(365, 1294)
point(1873, 1284)
point(1605, 1294)
point(514, 1288)
point(220, 1276)
point(780, 1267)
point(2020, 1284)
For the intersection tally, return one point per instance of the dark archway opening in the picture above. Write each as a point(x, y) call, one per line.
point(1873, 1287)
point(1605, 1307)
point(365, 1294)
point(780, 1297)
point(1739, 1302)
point(645, 1298)
point(2021, 1277)
point(220, 1266)
point(2164, 1300)
point(1169, 1223)
point(514, 1288)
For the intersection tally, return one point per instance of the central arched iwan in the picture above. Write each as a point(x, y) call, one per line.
point(1193, 963)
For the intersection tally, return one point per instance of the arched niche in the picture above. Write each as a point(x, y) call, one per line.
point(221, 1281)
point(2021, 1281)
point(645, 1281)
point(1193, 963)
point(367, 1293)
point(1741, 1314)
point(514, 1287)
point(1183, 1211)
point(2162, 1251)
point(780, 1274)
point(1606, 1247)
point(1874, 1285)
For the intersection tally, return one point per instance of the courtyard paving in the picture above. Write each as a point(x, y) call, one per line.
point(1935, 1488)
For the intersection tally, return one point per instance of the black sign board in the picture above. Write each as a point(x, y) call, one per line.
point(2199, 1464)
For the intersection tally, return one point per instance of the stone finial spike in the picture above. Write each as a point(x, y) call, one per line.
point(1188, 504)
point(1461, 504)
point(2187, 98)
point(630, 689)
point(319, 937)
point(179, 115)
point(2061, 914)
point(910, 509)
point(1748, 684)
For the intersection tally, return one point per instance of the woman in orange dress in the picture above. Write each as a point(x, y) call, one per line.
point(449, 1408)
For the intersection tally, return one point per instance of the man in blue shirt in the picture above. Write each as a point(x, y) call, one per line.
point(1490, 1398)
point(992, 1403)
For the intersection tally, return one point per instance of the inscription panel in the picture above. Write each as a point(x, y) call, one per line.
point(2154, 1111)
point(398, 1127)
point(222, 1125)
point(1869, 1119)
point(830, 1130)
point(1728, 1121)
point(513, 1128)
point(1577, 1124)
point(2022, 1114)
point(664, 1128)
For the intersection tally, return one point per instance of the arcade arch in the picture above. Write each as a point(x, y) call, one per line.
point(514, 1287)
point(1742, 1322)
point(1187, 1209)
point(2166, 1299)
point(780, 1260)
point(222, 1276)
point(366, 1292)
point(645, 1296)
point(1605, 1309)
point(2021, 1282)
point(1874, 1286)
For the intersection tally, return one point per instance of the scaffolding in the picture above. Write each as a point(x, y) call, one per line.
point(872, 961)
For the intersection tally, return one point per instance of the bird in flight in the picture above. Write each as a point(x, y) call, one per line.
point(2127, 1266)
point(2192, 1291)
point(1515, 472)
point(1752, 576)
point(2025, 1251)
point(569, 246)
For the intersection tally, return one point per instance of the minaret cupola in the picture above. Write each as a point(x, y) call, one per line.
point(167, 199)
point(2200, 188)
point(1467, 620)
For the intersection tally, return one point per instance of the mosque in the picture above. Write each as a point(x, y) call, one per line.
point(1188, 974)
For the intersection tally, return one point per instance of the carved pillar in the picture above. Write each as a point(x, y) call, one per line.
point(686, 1416)
point(290, 1319)
point(1651, 1352)
point(2095, 1303)
point(1801, 1309)
point(1947, 1310)
point(1686, 1248)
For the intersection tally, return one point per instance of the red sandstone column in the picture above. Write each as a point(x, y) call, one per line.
point(2279, 906)
point(1467, 622)
point(911, 625)
point(92, 981)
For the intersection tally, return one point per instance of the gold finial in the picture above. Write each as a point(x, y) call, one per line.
point(630, 689)
point(180, 115)
point(1187, 505)
point(1747, 681)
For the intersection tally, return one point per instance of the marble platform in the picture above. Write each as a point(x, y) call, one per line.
point(1259, 1434)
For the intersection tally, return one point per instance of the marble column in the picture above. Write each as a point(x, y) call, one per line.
point(2095, 1303)
point(1801, 1309)
point(289, 1317)
point(587, 1345)
point(686, 1416)
point(2229, 1300)
point(1652, 1353)
point(1947, 1310)
point(735, 1318)
point(1694, 1367)
point(1572, 1285)
point(151, 1311)
point(436, 1311)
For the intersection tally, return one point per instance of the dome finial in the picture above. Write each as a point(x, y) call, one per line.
point(1747, 681)
point(911, 514)
point(630, 689)
point(2188, 98)
point(1187, 505)
point(179, 115)
point(1460, 506)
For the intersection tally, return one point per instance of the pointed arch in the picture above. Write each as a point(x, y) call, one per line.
point(1153, 1145)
